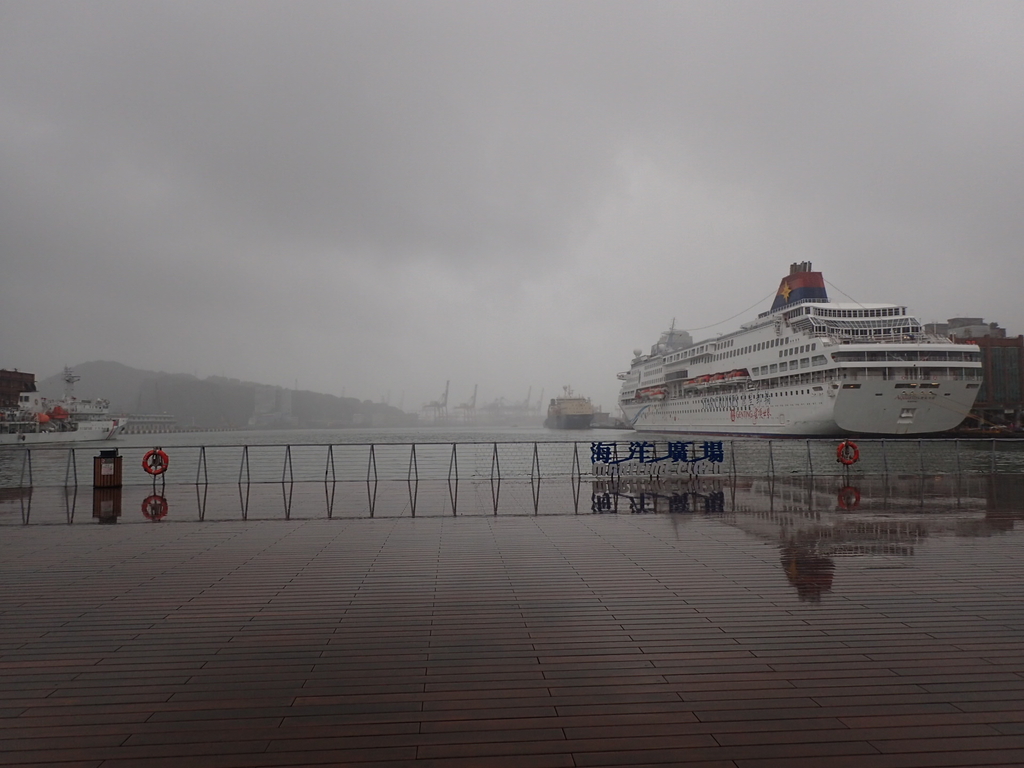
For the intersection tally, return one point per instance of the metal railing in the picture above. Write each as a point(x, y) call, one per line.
point(24, 467)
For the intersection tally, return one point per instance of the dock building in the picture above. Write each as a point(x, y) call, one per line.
point(1000, 401)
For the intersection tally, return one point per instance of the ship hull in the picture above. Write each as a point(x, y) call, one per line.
point(569, 421)
point(865, 408)
point(86, 431)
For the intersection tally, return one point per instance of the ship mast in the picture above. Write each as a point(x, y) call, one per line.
point(69, 382)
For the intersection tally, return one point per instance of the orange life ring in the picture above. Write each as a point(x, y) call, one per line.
point(847, 453)
point(849, 497)
point(155, 462)
point(154, 507)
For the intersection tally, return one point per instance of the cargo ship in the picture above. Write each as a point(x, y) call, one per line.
point(570, 411)
point(807, 366)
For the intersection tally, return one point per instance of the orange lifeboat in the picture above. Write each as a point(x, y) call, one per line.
point(57, 412)
point(654, 393)
point(42, 418)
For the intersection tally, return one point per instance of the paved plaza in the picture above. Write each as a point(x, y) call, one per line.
point(561, 640)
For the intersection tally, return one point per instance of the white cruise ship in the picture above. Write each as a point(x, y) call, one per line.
point(808, 366)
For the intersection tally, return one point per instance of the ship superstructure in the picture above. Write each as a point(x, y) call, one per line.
point(807, 366)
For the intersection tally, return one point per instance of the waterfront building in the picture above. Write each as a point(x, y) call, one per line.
point(1000, 399)
point(12, 384)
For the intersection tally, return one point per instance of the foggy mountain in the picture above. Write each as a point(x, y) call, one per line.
point(217, 402)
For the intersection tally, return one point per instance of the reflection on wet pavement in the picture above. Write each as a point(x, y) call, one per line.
point(813, 521)
point(624, 621)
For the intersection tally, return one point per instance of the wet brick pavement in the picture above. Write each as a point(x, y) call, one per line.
point(590, 640)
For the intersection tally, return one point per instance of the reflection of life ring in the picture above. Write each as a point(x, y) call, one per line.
point(847, 453)
point(154, 507)
point(849, 497)
point(155, 462)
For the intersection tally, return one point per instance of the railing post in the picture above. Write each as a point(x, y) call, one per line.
point(453, 464)
point(201, 469)
point(244, 467)
point(371, 464)
point(287, 471)
point(330, 465)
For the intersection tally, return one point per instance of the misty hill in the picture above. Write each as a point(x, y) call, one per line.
point(103, 379)
point(218, 402)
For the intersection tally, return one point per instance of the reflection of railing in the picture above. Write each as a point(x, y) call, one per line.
point(830, 515)
point(24, 467)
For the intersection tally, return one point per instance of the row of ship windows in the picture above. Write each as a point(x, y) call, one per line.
point(821, 312)
point(686, 353)
point(697, 351)
point(798, 350)
point(854, 374)
point(905, 355)
point(803, 362)
point(883, 312)
point(781, 341)
point(848, 356)
point(867, 328)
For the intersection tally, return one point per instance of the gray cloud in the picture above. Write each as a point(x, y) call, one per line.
point(380, 195)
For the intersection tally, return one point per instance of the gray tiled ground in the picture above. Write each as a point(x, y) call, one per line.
point(706, 640)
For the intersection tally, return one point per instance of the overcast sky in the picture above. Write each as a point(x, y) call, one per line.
point(375, 197)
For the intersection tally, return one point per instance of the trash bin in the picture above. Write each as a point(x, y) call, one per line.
point(106, 469)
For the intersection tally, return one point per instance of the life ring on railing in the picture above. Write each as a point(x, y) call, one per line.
point(847, 453)
point(155, 462)
point(154, 507)
point(848, 497)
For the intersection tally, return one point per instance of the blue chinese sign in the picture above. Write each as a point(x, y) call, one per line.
point(642, 452)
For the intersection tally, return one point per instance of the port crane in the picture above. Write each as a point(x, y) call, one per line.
point(469, 409)
point(439, 407)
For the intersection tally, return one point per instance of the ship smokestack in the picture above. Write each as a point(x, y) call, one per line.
point(800, 266)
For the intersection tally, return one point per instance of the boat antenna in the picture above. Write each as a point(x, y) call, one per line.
point(752, 306)
point(844, 293)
